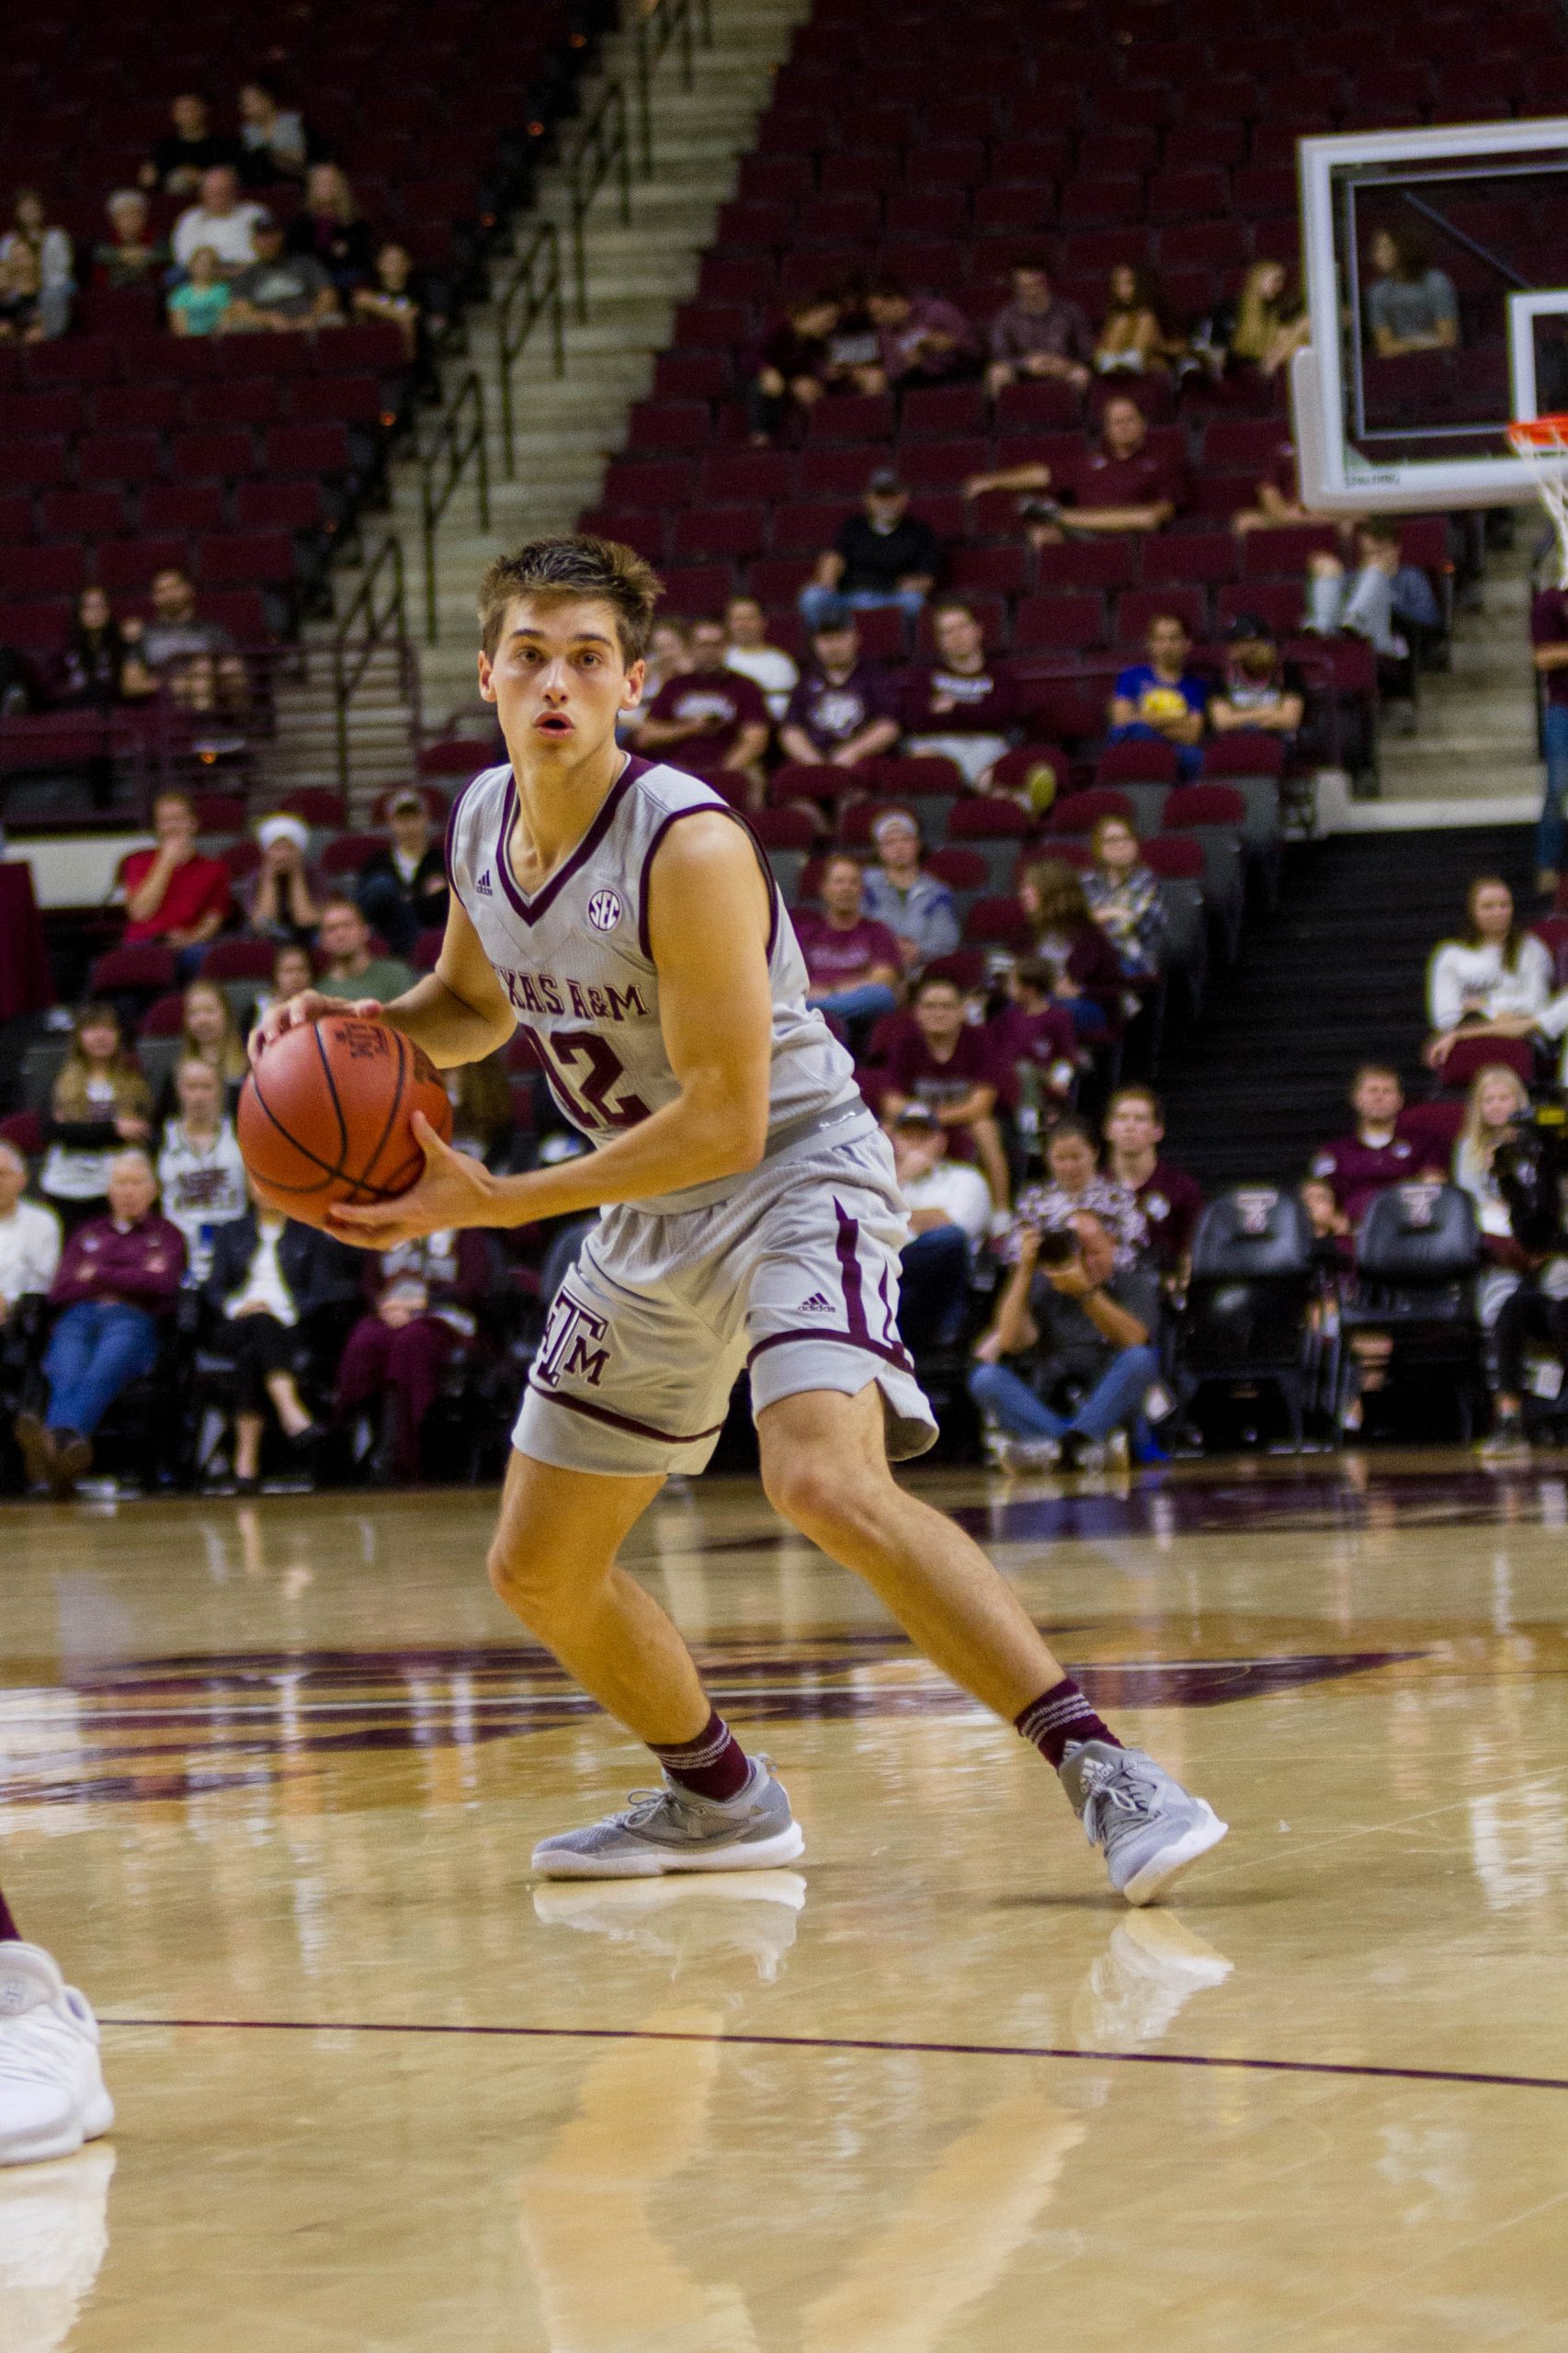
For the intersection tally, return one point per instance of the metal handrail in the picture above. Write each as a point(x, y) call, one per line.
point(602, 148)
point(457, 438)
point(533, 292)
point(378, 611)
point(668, 20)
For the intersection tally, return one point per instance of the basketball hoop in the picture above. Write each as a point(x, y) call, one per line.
point(1543, 443)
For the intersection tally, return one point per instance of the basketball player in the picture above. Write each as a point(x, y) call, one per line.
point(51, 2086)
point(623, 915)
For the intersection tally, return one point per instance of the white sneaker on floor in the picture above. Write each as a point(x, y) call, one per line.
point(51, 2086)
point(673, 1829)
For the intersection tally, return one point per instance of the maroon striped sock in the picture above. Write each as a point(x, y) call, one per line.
point(714, 1765)
point(9, 1932)
point(1058, 1716)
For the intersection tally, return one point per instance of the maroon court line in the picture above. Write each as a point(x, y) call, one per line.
point(870, 2042)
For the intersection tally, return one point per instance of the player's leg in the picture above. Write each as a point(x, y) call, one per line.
point(553, 1563)
point(51, 2086)
point(825, 1468)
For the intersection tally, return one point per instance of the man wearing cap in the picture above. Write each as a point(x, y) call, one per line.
point(279, 293)
point(173, 895)
point(949, 1216)
point(1259, 692)
point(845, 711)
point(402, 888)
point(882, 556)
point(917, 909)
point(282, 900)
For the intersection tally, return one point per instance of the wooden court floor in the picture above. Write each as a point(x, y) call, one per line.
point(271, 1774)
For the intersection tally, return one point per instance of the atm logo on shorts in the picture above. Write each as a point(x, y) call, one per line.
point(567, 1351)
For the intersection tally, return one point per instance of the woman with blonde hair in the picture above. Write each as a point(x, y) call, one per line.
point(1089, 978)
point(1269, 325)
point(211, 1035)
point(100, 1103)
point(1497, 1095)
point(1133, 336)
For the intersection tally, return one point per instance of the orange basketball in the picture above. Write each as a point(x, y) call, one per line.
point(326, 1116)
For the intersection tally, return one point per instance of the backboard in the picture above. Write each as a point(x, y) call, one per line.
point(1436, 277)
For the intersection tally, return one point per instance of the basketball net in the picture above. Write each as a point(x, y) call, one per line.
point(1543, 443)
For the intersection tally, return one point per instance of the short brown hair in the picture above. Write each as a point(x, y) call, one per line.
point(1136, 1093)
point(578, 565)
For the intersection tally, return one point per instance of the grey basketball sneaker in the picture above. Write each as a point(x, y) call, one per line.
point(1144, 1824)
point(672, 1829)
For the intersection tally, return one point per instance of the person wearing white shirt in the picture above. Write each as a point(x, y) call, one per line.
point(1497, 977)
point(30, 1235)
point(949, 1210)
point(200, 1173)
point(768, 666)
point(223, 219)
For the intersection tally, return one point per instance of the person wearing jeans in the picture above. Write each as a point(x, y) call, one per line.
point(1549, 637)
point(853, 963)
point(1090, 1317)
point(119, 1278)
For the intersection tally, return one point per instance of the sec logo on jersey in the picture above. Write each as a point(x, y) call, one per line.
point(604, 910)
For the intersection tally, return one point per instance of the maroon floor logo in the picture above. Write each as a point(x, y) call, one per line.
point(567, 1349)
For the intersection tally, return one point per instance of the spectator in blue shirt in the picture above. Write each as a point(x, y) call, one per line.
point(1161, 700)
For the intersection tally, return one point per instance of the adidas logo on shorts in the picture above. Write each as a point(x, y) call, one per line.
point(815, 1305)
point(482, 885)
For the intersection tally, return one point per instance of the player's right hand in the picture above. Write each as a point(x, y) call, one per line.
point(299, 1012)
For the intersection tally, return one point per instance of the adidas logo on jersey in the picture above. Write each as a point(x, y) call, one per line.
point(815, 1305)
point(482, 885)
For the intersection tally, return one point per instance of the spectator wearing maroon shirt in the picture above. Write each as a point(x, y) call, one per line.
point(964, 707)
point(845, 711)
point(920, 338)
point(1279, 496)
point(1362, 1166)
point(852, 962)
point(172, 893)
point(118, 1276)
point(1036, 1035)
point(428, 1296)
point(952, 1066)
point(1088, 978)
point(1171, 1200)
point(1549, 637)
point(1119, 485)
point(710, 720)
point(882, 556)
point(1036, 334)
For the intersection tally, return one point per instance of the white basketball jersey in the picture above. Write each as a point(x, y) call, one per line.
point(575, 961)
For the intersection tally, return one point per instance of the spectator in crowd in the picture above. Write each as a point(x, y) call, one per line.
point(844, 710)
point(211, 1035)
point(1411, 305)
point(1133, 339)
point(201, 303)
point(917, 909)
point(344, 938)
point(119, 1278)
point(192, 661)
point(268, 1279)
point(1171, 1200)
point(201, 1174)
point(273, 140)
point(853, 964)
point(1382, 590)
point(768, 666)
point(1496, 978)
point(1038, 335)
point(428, 1297)
point(22, 284)
point(131, 254)
point(1532, 1323)
point(172, 893)
point(1074, 1185)
point(99, 668)
point(1549, 637)
point(712, 720)
point(920, 339)
point(1036, 1035)
point(283, 898)
point(1261, 692)
point(668, 656)
point(98, 1104)
point(292, 973)
point(1265, 325)
point(1123, 896)
point(482, 1110)
point(964, 707)
point(402, 889)
point(397, 297)
point(281, 293)
point(1088, 976)
point(53, 262)
point(187, 149)
point(1375, 1155)
point(30, 1235)
point(1119, 485)
point(951, 1065)
point(1163, 699)
point(882, 556)
point(950, 1217)
point(1333, 1248)
point(328, 228)
point(1497, 1096)
point(790, 370)
point(1082, 1323)
point(1279, 495)
point(222, 219)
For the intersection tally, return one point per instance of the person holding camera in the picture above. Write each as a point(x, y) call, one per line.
point(1076, 1314)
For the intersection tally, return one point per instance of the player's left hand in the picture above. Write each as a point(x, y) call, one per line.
point(455, 1190)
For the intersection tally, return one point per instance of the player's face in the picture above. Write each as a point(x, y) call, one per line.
point(559, 680)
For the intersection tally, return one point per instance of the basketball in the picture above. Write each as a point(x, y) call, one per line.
point(326, 1116)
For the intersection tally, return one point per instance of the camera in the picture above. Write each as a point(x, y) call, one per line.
point(1532, 1167)
point(1058, 1246)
